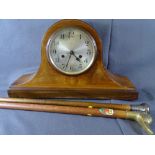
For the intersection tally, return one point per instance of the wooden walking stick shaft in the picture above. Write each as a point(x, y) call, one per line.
point(65, 109)
point(142, 107)
point(67, 103)
point(143, 119)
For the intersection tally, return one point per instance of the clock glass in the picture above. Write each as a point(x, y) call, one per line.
point(71, 50)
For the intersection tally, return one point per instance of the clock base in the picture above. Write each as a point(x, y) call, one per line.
point(21, 88)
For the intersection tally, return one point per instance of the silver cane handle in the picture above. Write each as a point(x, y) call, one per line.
point(144, 107)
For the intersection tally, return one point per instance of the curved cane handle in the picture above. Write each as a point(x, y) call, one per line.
point(143, 119)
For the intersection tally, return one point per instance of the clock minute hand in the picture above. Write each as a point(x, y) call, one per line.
point(68, 60)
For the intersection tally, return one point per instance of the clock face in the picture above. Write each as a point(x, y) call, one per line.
point(71, 50)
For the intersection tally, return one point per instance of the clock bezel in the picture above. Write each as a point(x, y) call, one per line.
point(50, 60)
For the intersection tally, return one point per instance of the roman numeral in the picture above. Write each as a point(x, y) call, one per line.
point(56, 59)
point(80, 66)
point(54, 51)
point(89, 52)
point(62, 36)
point(87, 43)
point(63, 66)
point(69, 35)
point(86, 61)
point(71, 68)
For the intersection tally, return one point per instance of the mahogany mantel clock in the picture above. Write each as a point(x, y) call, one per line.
point(72, 67)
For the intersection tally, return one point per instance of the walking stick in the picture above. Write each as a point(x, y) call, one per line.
point(143, 119)
point(142, 107)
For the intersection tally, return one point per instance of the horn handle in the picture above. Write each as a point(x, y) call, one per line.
point(143, 119)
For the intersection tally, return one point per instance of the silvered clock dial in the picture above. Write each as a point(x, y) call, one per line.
point(71, 50)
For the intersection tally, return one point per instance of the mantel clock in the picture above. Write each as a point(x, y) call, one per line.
point(72, 67)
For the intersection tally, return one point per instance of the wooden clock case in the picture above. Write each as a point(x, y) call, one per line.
point(97, 82)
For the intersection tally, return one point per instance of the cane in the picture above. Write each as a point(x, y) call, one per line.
point(143, 119)
point(142, 107)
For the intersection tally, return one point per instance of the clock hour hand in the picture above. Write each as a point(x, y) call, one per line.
point(72, 52)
